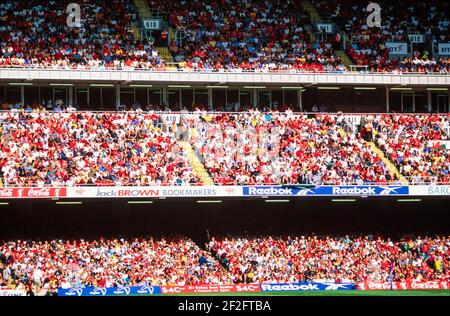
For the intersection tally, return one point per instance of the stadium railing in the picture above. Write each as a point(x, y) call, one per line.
point(206, 112)
point(202, 70)
point(293, 185)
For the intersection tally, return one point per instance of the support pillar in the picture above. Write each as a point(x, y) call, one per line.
point(401, 101)
point(88, 97)
point(210, 98)
point(448, 104)
point(71, 96)
point(164, 96)
point(387, 99)
point(117, 97)
point(300, 99)
point(239, 97)
point(22, 95)
point(429, 102)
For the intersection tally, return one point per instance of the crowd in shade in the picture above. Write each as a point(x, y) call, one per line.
point(399, 20)
point(35, 34)
point(74, 148)
point(417, 144)
point(282, 148)
point(44, 266)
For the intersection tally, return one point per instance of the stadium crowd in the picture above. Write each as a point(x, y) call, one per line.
point(417, 144)
point(74, 148)
point(368, 44)
point(273, 148)
point(225, 35)
point(246, 35)
point(69, 148)
point(247, 148)
point(47, 265)
point(35, 34)
point(331, 259)
point(44, 266)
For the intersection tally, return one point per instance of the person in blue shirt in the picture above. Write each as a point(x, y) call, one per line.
point(202, 261)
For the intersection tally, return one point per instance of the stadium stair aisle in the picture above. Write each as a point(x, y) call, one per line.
point(166, 56)
point(164, 51)
point(387, 161)
point(144, 10)
point(392, 168)
point(172, 33)
point(310, 33)
point(315, 16)
point(199, 168)
point(342, 132)
point(345, 58)
point(136, 33)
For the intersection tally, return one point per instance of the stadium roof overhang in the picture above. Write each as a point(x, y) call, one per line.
point(116, 77)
